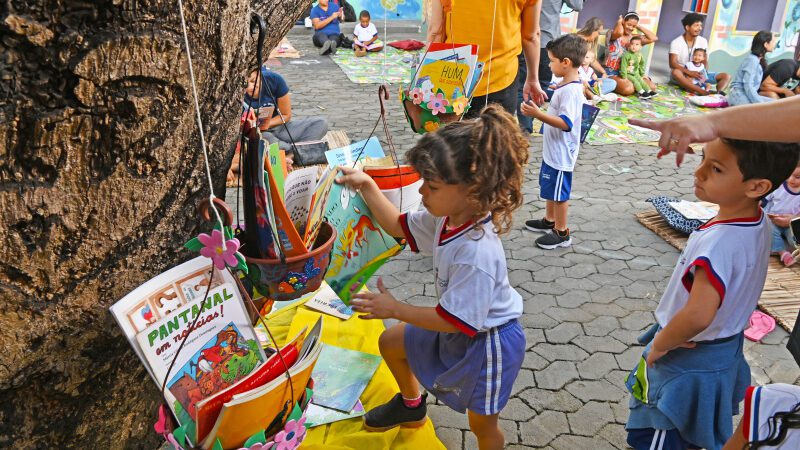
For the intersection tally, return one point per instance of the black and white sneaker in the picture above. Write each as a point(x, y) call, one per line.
point(326, 48)
point(541, 225)
point(651, 94)
point(333, 47)
point(555, 239)
point(395, 413)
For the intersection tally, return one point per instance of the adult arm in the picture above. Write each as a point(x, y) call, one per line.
point(694, 317)
point(285, 107)
point(649, 36)
point(773, 122)
point(616, 32)
point(770, 85)
point(530, 33)
point(320, 23)
point(599, 67)
point(436, 20)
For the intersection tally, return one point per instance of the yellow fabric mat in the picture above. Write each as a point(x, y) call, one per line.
point(361, 335)
point(781, 295)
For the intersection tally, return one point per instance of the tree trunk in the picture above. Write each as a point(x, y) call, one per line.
point(100, 172)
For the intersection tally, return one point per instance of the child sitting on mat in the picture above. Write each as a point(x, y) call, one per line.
point(782, 206)
point(692, 374)
point(366, 36)
point(467, 350)
point(696, 65)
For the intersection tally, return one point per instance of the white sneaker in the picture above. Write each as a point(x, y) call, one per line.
point(610, 97)
point(307, 22)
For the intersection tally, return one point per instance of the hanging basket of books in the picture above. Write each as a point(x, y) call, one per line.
point(441, 87)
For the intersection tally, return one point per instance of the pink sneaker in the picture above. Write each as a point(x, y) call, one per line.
point(787, 259)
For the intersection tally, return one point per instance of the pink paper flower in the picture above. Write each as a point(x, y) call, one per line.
point(416, 95)
point(212, 248)
point(173, 442)
point(437, 104)
point(292, 435)
point(259, 446)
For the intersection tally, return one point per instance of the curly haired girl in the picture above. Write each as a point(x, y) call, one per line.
point(468, 349)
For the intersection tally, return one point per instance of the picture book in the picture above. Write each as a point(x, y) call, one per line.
point(326, 301)
point(251, 412)
point(162, 295)
point(208, 409)
point(318, 415)
point(288, 238)
point(588, 115)
point(298, 192)
point(346, 156)
point(258, 210)
point(318, 202)
point(221, 348)
point(361, 244)
point(449, 69)
point(277, 158)
point(341, 375)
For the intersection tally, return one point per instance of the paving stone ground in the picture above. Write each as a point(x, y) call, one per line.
point(583, 306)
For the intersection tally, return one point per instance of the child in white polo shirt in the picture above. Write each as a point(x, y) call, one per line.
point(692, 374)
point(781, 207)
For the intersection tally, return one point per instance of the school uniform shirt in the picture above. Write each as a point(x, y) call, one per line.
point(763, 402)
point(734, 255)
point(470, 272)
point(585, 73)
point(365, 34)
point(560, 148)
point(273, 87)
point(783, 201)
point(680, 48)
point(318, 13)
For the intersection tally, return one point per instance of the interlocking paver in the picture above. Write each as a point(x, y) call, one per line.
point(584, 306)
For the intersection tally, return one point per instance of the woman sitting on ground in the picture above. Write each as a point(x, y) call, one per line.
point(591, 33)
point(617, 42)
point(747, 81)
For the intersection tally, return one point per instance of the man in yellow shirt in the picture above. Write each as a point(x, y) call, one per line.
point(501, 29)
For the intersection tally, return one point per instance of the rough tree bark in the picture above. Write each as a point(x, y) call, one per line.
point(100, 172)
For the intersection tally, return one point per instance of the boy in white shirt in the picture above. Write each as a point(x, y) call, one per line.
point(366, 36)
point(692, 374)
point(562, 134)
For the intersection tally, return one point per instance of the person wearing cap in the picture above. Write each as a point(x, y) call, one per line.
point(618, 39)
point(681, 50)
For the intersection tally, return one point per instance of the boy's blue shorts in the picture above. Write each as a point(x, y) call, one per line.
point(554, 184)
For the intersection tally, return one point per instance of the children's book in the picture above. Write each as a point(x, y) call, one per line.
point(346, 156)
point(164, 294)
point(695, 210)
point(326, 301)
point(258, 210)
point(247, 413)
point(588, 115)
point(298, 193)
point(449, 69)
point(221, 348)
point(318, 415)
point(361, 246)
point(277, 158)
point(318, 202)
point(288, 238)
point(341, 376)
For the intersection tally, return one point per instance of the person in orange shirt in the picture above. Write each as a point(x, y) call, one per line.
point(513, 26)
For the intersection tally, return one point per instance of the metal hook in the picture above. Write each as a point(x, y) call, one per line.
point(257, 24)
point(385, 96)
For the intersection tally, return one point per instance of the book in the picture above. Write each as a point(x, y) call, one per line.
point(221, 348)
point(277, 158)
point(341, 375)
point(288, 238)
point(318, 201)
point(695, 210)
point(298, 193)
point(258, 210)
point(448, 68)
point(162, 295)
point(263, 407)
point(326, 301)
point(346, 156)
point(588, 115)
point(361, 246)
point(319, 415)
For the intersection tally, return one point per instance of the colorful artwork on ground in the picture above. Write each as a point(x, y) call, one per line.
point(392, 9)
point(396, 68)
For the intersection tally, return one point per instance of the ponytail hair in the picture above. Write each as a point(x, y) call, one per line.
point(758, 47)
point(487, 155)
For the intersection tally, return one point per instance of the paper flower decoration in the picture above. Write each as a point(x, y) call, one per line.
point(292, 435)
point(438, 104)
point(258, 446)
point(416, 95)
point(431, 126)
point(212, 248)
point(459, 105)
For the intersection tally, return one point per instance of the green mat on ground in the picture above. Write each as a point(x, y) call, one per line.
point(612, 127)
point(371, 68)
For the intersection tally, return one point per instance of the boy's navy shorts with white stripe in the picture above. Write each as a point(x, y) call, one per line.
point(554, 184)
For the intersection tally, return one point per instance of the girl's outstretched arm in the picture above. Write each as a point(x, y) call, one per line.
point(696, 316)
point(383, 210)
point(383, 305)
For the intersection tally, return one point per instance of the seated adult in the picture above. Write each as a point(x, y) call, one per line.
point(681, 51)
point(280, 126)
point(781, 79)
point(747, 81)
point(617, 41)
point(591, 34)
point(325, 18)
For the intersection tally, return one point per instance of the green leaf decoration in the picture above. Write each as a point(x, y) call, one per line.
point(180, 435)
point(217, 445)
point(242, 263)
point(258, 438)
point(194, 245)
